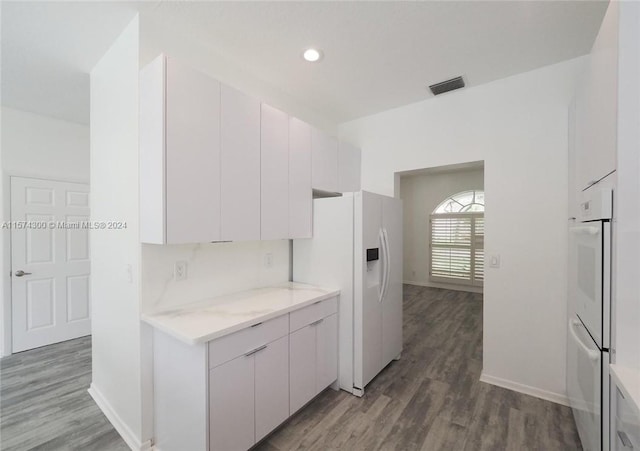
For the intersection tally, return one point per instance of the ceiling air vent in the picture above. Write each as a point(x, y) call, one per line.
point(446, 86)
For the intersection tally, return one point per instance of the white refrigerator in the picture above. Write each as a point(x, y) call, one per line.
point(357, 248)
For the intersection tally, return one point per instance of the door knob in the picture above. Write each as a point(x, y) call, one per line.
point(20, 273)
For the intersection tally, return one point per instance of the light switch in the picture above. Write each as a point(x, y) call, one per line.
point(494, 261)
point(268, 260)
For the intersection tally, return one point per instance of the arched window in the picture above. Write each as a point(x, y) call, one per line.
point(467, 201)
point(457, 239)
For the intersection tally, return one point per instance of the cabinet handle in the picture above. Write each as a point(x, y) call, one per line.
point(624, 438)
point(255, 350)
point(315, 323)
point(317, 302)
point(257, 324)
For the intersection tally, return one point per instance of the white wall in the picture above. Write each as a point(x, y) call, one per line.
point(518, 126)
point(117, 371)
point(213, 269)
point(421, 194)
point(42, 147)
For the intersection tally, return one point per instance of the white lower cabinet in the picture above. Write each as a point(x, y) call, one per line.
point(313, 360)
point(231, 396)
point(302, 368)
point(327, 352)
point(271, 387)
point(249, 396)
point(231, 392)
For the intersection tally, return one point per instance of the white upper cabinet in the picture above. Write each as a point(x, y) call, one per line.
point(324, 161)
point(348, 168)
point(240, 166)
point(217, 165)
point(274, 178)
point(300, 192)
point(596, 106)
point(180, 154)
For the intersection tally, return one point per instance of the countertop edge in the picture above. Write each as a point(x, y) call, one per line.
point(621, 375)
point(236, 327)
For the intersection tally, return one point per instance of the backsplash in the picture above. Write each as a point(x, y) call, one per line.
point(213, 269)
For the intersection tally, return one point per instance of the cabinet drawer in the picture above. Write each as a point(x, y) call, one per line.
point(627, 421)
point(238, 343)
point(314, 312)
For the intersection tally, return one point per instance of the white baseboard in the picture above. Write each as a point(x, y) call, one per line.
point(120, 426)
point(470, 289)
point(525, 389)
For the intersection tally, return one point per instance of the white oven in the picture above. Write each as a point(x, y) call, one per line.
point(591, 242)
point(588, 332)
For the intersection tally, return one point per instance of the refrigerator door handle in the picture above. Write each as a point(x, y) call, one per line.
point(387, 266)
point(573, 324)
point(383, 270)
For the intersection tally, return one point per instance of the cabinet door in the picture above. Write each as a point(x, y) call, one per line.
point(300, 193)
point(597, 105)
point(231, 405)
point(324, 161)
point(272, 386)
point(302, 367)
point(326, 352)
point(240, 166)
point(192, 155)
point(152, 152)
point(274, 169)
point(348, 168)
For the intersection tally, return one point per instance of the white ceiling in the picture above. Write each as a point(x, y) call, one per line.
point(378, 55)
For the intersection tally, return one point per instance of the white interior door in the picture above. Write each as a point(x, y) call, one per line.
point(50, 263)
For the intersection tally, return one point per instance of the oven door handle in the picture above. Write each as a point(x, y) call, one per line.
point(585, 230)
point(573, 323)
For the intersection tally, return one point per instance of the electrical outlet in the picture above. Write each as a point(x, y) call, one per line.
point(268, 260)
point(413, 274)
point(180, 270)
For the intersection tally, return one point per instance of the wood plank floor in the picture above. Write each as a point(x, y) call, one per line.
point(44, 404)
point(429, 400)
point(432, 398)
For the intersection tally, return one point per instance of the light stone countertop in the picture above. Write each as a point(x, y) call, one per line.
point(628, 380)
point(203, 321)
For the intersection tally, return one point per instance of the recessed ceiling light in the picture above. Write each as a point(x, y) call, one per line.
point(312, 55)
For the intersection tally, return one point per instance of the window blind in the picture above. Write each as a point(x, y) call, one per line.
point(457, 248)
